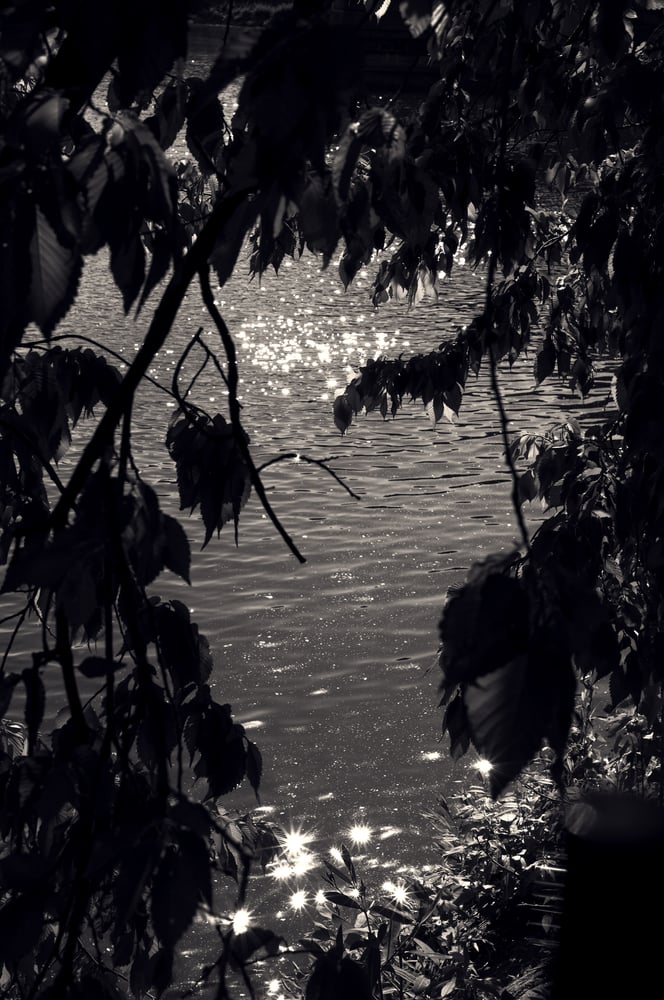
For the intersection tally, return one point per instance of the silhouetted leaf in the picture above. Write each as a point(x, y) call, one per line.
point(211, 471)
point(513, 709)
point(333, 977)
point(455, 723)
point(169, 113)
point(184, 651)
point(341, 899)
point(128, 267)
point(177, 555)
point(545, 362)
point(35, 702)
point(182, 883)
point(343, 413)
point(377, 128)
point(93, 666)
point(484, 625)
point(7, 684)
point(55, 272)
point(392, 913)
point(254, 766)
point(255, 939)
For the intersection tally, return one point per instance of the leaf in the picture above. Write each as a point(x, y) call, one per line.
point(417, 15)
point(35, 702)
point(452, 398)
point(341, 899)
point(377, 128)
point(484, 625)
point(177, 554)
point(205, 126)
point(220, 744)
point(545, 362)
point(7, 684)
point(392, 913)
point(169, 114)
point(336, 977)
point(182, 883)
point(455, 723)
point(211, 471)
point(183, 650)
point(55, 272)
point(244, 946)
point(512, 710)
point(147, 51)
point(254, 766)
point(343, 413)
point(128, 267)
point(93, 666)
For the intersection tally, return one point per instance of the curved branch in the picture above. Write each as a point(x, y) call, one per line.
point(320, 462)
point(158, 331)
point(234, 410)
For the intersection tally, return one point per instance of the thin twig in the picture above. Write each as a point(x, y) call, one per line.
point(320, 462)
point(499, 170)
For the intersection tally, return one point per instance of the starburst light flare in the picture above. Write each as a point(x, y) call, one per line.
point(241, 921)
point(360, 834)
point(298, 900)
point(294, 841)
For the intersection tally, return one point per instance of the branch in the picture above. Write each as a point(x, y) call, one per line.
point(320, 462)
point(64, 654)
point(234, 410)
point(158, 331)
point(491, 273)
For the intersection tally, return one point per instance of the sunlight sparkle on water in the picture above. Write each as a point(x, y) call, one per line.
point(360, 833)
point(483, 765)
point(295, 840)
point(298, 900)
point(398, 891)
point(241, 921)
point(336, 855)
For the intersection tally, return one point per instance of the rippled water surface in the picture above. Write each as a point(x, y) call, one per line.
point(330, 665)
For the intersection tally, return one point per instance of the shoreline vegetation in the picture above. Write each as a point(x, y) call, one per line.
point(253, 13)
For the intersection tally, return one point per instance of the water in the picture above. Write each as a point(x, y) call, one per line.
point(331, 665)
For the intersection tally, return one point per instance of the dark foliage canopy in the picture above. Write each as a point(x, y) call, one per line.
point(106, 854)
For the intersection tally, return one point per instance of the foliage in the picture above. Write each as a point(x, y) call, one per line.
point(98, 821)
point(561, 95)
point(481, 925)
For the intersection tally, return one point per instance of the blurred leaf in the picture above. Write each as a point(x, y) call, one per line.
point(93, 666)
point(181, 885)
point(341, 899)
point(35, 703)
point(255, 939)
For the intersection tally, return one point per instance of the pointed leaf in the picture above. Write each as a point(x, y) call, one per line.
point(341, 899)
point(177, 554)
point(181, 885)
point(545, 362)
point(254, 766)
point(35, 702)
point(55, 272)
